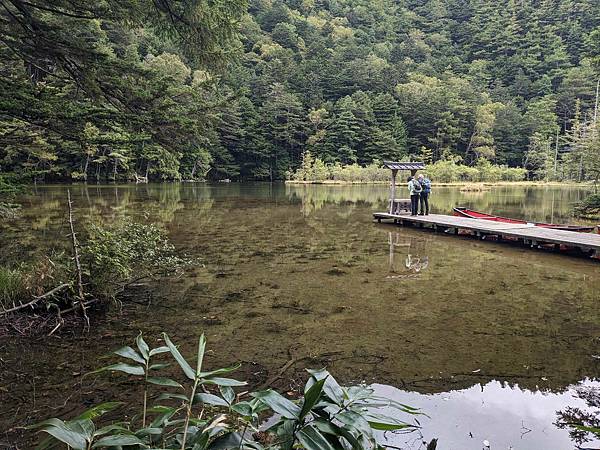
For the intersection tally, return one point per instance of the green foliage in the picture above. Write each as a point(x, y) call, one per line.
point(114, 256)
point(130, 90)
point(9, 188)
point(447, 170)
point(24, 282)
point(205, 412)
point(12, 286)
point(589, 207)
point(314, 170)
point(110, 90)
point(450, 171)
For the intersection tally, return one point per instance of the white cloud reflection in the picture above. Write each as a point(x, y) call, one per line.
point(506, 416)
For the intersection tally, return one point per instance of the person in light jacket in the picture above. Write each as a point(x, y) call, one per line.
point(414, 189)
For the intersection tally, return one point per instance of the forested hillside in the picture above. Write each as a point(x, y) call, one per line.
point(117, 92)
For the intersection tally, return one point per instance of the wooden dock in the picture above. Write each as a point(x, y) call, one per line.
point(588, 243)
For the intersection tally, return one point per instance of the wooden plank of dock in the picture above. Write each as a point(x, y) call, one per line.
point(529, 234)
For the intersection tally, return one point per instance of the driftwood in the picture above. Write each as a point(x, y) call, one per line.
point(36, 299)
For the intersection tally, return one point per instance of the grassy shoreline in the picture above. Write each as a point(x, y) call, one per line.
point(447, 184)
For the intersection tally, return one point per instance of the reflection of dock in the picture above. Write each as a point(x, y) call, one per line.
point(527, 234)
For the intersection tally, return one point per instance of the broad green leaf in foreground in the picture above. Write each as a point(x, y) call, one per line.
point(122, 367)
point(187, 369)
point(128, 352)
point(278, 403)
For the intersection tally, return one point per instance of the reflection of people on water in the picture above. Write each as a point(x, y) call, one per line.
point(416, 263)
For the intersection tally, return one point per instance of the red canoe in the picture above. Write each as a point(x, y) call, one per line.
point(466, 212)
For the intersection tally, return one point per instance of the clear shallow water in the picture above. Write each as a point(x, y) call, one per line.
point(303, 272)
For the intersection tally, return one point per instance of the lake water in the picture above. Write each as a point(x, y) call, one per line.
point(489, 339)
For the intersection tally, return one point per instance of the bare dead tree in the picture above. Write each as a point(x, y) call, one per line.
point(75, 245)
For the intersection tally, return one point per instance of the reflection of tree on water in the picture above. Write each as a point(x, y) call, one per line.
point(583, 425)
point(413, 250)
point(533, 203)
point(315, 197)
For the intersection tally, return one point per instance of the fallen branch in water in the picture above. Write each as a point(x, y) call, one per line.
point(85, 305)
point(36, 299)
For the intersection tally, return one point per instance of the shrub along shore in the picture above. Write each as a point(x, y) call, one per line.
point(314, 170)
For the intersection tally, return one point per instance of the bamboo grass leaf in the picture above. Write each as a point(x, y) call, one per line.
point(278, 403)
point(210, 399)
point(312, 439)
point(201, 349)
point(99, 410)
point(121, 367)
point(329, 427)
point(84, 426)
point(142, 346)
point(167, 396)
point(166, 413)
point(385, 423)
point(388, 426)
point(224, 381)
point(356, 421)
point(242, 408)
point(62, 432)
point(109, 428)
point(128, 352)
point(149, 431)
point(158, 366)
point(227, 441)
point(161, 381)
point(187, 369)
point(332, 389)
point(156, 351)
point(119, 441)
point(311, 397)
point(228, 393)
point(219, 371)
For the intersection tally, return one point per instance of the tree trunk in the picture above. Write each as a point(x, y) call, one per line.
point(85, 168)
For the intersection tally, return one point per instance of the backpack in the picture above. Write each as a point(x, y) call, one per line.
point(417, 186)
point(426, 185)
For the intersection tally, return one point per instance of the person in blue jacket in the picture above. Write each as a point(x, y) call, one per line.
point(424, 195)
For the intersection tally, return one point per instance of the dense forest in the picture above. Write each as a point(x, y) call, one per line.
point(193, 89)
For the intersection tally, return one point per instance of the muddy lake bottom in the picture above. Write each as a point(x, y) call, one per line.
point(489, 339)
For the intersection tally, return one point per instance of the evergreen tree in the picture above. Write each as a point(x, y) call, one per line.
point(283, 118)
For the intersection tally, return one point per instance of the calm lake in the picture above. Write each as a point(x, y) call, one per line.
point(489, 339)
